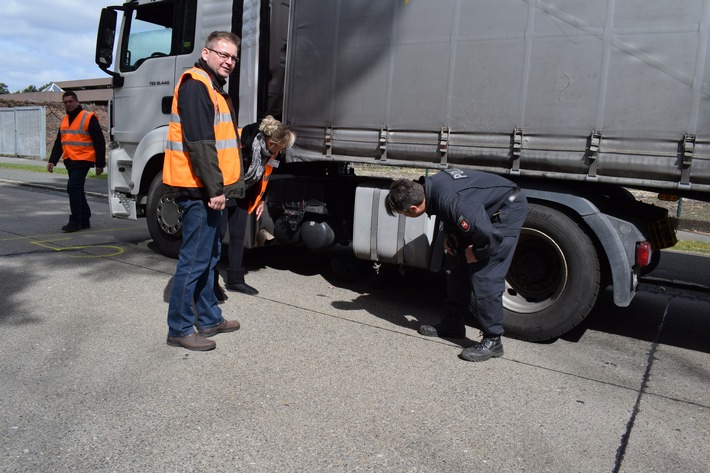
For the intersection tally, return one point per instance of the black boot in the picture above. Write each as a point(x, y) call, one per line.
point(487, 348)
point(71, 227)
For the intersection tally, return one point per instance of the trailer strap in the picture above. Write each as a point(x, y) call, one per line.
point(688, 151)
point(593, 145)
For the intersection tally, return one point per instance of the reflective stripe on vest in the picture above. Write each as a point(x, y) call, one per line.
point(177, 168)
point(76, 140)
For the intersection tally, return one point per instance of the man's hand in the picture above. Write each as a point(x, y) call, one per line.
point(259, 210)
point(50, 167)
point(99, 171)
point(217, 203)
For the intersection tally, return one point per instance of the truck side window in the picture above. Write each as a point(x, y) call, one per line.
point(156, 30)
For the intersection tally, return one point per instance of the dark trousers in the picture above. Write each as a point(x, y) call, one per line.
point(79, 207)
point(236, 222)
point(486, 279)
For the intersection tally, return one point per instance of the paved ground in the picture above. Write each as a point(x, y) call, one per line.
point(323, 376)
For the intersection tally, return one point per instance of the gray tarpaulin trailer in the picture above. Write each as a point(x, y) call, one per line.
point(613, 92)
point(574, 100)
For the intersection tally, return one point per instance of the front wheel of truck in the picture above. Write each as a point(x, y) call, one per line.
point(164, 218)
point(554, 278)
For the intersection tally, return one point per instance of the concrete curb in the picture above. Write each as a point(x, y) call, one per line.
point(50, 187)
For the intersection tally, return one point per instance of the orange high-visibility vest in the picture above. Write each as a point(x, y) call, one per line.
point(264, 182)
point(251, 206)
point(76, 140)
point(177, 168)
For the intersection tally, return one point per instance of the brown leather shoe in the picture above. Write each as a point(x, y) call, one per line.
point(194, 341)
point(225, 326)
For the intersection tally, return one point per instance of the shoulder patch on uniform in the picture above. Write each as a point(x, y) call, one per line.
point(455, 174)
point(463, 224)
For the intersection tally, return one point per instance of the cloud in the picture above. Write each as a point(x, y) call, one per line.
point(43, 41)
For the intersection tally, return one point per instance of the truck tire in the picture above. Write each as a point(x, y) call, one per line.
point(164, 218)
point(554, 278)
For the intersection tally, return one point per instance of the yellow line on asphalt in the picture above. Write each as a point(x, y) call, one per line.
point(117, 250)
point(32, 237)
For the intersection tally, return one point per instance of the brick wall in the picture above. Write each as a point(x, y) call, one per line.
point(55, 112)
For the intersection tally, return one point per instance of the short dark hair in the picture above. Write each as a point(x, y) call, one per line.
point(70, 93)
point(403, 194)
point(225, 35)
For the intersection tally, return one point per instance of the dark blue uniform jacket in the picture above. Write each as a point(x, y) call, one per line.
point(462, 200)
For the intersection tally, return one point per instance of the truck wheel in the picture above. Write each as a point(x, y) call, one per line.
point(164, 219)
point(554, 278)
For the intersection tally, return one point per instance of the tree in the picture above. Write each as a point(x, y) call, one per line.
point(29, 88)
point(3, 88)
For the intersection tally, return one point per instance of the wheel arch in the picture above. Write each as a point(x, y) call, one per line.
point(613, 238)
point(148, 161)
point(153, 166)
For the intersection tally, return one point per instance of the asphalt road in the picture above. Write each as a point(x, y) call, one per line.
point(324, 375)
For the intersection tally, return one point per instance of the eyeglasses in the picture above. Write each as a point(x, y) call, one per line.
point(224, 56)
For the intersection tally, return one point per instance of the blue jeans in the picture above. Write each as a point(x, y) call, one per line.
point(79, 207)
point(194, 275)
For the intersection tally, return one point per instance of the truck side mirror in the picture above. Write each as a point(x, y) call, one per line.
point(105, 40)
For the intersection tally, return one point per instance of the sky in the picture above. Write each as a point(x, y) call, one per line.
point(44, 41)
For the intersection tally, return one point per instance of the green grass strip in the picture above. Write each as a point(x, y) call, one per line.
point(43, 168)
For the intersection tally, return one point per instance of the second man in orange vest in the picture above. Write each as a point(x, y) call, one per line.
point(81, 143)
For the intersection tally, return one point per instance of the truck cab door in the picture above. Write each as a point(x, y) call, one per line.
point(151, 41)
point(156, 42)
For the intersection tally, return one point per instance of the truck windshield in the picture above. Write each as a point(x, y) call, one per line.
point(158, 29)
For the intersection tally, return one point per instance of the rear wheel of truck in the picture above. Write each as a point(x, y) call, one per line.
point(164, 218)
point(554, 278)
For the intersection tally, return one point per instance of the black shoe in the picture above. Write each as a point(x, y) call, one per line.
point(484, 350)
point(242, 287)
point(71, 227)
point(86, 225)
point(447, 328)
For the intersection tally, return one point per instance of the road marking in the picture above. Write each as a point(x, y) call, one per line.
point(117, 250)
point(83, 232)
